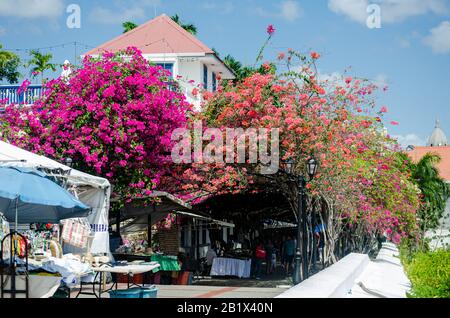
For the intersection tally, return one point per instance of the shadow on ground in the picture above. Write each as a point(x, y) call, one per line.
point(278, 278)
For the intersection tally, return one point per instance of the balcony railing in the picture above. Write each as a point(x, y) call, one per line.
point(11, 94)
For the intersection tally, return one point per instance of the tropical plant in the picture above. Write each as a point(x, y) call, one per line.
point(40, 63)
point(191, 28)
point(435, 191)
point(9, 64)
point(429, 273)
point(242, 72)
point(128, 26)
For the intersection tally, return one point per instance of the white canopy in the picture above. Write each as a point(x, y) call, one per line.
point(91, 190)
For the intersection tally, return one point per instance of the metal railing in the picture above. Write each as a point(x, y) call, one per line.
point(12, 95)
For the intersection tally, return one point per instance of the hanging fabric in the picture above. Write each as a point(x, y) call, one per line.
point(75, 232)
point(4, 231)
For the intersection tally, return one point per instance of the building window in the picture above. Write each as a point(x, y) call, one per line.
point(167, 67)
point(214, 82)
point(205, 77)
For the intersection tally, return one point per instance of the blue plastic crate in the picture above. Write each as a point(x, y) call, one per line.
point(125, 293)
point(149, 292)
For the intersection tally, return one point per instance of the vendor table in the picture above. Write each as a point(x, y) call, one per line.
point(128, 270)
point(222, 266)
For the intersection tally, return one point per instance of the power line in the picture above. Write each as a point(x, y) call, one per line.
point(51, 47)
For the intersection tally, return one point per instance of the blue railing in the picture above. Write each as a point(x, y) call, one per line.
point(11, 94)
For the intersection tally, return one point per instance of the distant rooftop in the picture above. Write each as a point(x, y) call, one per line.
point(157, 36)
point(444, 152)
point(438, 137)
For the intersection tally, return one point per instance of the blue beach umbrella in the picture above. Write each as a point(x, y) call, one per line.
point(27, 196)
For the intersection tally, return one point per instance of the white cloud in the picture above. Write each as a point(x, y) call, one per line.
point(392, 11)
point(409, 139)
point(107, 16)
point(381, 80)
point(288, 10)
point(124, 11)
point(439, 38)
point(354, 9)
point(220, 7)
point(332, 78)
point(404, 43)
point(32, 8)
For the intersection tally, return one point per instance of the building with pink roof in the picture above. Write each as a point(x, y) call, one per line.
point(164, 42)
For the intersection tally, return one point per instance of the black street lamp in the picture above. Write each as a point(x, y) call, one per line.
point(68, 162)
point(301, 254)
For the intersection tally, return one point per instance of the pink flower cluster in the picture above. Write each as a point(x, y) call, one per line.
point(114, 118)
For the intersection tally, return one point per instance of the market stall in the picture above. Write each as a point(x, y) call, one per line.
point(85, 237)
point(91, 190)
point(28, 196)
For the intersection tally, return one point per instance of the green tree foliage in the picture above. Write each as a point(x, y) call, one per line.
point(128, 26)
point(435, 191)
point(243, 72)
point(429, 273)
point(9, 64)
point(191, 28)
point(40, 63)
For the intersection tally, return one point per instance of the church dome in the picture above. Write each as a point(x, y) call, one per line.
point(438, 137)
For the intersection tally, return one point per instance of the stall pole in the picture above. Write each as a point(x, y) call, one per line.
point(197, 240)
point(149, 227)
point(118, 222)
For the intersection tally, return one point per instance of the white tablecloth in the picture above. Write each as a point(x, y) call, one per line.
point(231, 267)
point(39, 286)
point(127, 269)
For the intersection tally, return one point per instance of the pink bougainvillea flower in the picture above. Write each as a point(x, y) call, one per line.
point(281, 55)
point(395, 123)
point(270, 29)
point(383, 109)
point(24, 86)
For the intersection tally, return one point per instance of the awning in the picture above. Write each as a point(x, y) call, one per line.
point(201, 217)
point(140, 223)
point(274, 224)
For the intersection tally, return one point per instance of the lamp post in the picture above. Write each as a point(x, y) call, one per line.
point(69, 162)
point(301, 254)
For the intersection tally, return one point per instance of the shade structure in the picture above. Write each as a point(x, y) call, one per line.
point(28, 196)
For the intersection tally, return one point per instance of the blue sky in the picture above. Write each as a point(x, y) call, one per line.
point(410, 52)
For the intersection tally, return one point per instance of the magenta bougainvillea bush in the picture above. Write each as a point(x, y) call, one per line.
point(113, 117)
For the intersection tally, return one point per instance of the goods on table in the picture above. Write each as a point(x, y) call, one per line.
point(166, 262)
